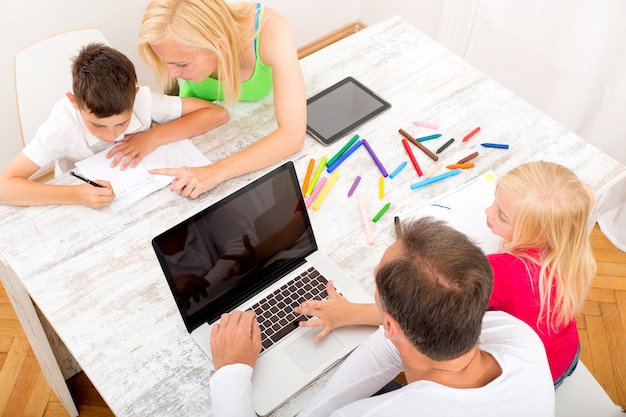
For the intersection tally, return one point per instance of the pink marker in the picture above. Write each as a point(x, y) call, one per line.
point(318, 187)
point(426, 125)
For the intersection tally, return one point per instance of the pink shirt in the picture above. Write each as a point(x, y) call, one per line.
point(516, 291)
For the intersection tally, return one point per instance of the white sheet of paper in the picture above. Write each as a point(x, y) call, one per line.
point(464, 209)
point(133, 184)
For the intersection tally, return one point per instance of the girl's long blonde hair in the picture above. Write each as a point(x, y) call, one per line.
point(213, 25)
point(551, 213)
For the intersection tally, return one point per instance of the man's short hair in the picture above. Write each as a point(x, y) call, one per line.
point(438, 289)
point(104, 80)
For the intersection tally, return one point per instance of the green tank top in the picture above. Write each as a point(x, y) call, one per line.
point(257, 87)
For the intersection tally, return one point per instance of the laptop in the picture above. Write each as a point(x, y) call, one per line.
point(241, 253)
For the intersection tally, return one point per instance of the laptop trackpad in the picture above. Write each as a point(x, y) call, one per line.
point(308, 354)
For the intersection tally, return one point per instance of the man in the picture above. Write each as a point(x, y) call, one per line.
point(432, 289)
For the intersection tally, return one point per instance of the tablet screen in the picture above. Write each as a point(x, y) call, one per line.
point(341, 108)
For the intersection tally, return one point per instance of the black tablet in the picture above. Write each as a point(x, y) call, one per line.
point(341, 108)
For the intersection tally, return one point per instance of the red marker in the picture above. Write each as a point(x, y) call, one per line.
point(470, 134)
point(412, 157)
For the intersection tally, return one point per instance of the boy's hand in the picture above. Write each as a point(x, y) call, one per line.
point(96, 197)
point(132, 150)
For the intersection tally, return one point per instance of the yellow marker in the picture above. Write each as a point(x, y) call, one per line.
point(381, 188)
point(316, 176)
point(325, 190)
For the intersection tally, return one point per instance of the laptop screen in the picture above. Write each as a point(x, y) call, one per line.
point(228, 252)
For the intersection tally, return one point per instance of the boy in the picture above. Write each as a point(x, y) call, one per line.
point(106, 106)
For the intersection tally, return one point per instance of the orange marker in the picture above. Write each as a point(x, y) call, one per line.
point(470, 134)
point(307, 177)
point(461, 166)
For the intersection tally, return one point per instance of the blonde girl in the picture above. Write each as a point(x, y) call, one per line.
point(546, 264)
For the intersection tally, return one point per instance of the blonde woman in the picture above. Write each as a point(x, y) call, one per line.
point(230, 52)
point(541, 276)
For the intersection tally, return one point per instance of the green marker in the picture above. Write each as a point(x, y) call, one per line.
point(316, 176)
point(381, 212)
point(341, 151)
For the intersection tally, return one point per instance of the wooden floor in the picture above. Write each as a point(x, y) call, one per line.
point(602, 326)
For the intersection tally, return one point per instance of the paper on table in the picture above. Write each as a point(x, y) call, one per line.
point(464, 209)
point(133, 184)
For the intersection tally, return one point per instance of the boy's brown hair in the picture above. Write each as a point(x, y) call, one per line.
point(104, 80)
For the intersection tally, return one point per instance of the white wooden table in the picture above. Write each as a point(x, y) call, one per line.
point(94, 276)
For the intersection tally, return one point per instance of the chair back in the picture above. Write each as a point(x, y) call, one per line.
point(43, 75)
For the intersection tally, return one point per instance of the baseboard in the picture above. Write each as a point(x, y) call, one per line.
point(330, 38)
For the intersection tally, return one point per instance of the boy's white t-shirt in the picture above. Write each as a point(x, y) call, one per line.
point(64, 139)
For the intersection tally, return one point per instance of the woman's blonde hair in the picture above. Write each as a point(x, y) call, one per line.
point(212, 25)
point(551, 213)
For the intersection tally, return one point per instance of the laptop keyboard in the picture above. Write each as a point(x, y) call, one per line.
point(275, 312)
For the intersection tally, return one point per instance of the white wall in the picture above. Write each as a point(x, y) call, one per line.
point(566, 58)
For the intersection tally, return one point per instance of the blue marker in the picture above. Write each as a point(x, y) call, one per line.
point(495, 145)
point(435, 179)
point(397, 170)
point(344, 156)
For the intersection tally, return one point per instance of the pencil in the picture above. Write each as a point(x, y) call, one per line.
point(419, 145)
point(316, 176)
point(323, 193)
point(412, 157)
point(310, 199)
point(461, 166)
point(468, 158)
point(341, 151)
point(470, 134)
point(366, 223)
point(381, 212)
point(307, 177)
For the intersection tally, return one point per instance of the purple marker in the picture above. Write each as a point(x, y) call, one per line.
point(354, 184)
point(380, 166)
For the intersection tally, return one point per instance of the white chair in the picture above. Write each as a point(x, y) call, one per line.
point(581, 395)
point(43, 75)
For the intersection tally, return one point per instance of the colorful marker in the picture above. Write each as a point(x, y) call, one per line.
point(380, 166)
point(445, 145)
point(341, 151)
point(381, 212)
point(343, 157)
point(327, 188)
point(405, 143)
point(316, 176)
point(397, 170)
point(461, 166)
point(470, 134)
point(435, 179)
point(434, 169)
point(307, 177)
point(429, 137)
point(495, 145)
point(310, 199)
point(381, 187)
point(426, 125)
point(419, 145)
point(468, 158)
point(354, 184)
point(366, 223)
